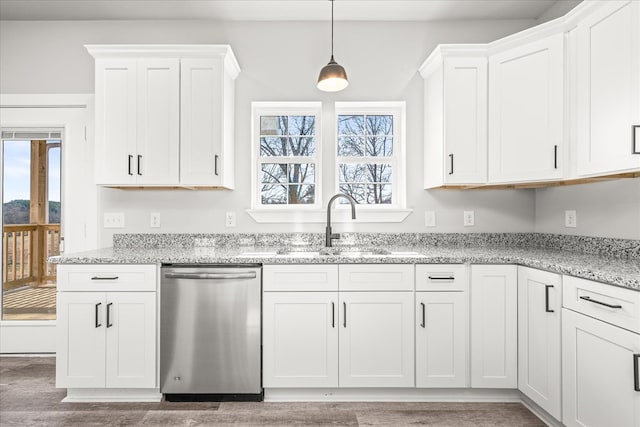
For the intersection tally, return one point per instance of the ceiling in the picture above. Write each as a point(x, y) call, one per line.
point(273, 10)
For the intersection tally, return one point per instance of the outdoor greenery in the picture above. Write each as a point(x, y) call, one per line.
point(17, 212)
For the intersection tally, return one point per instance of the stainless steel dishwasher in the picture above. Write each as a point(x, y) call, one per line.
point(210, 332)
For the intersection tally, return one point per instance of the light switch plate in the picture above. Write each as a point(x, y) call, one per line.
point(429, 219)
point(570, 219)
point(113, 220)
point(469, 219)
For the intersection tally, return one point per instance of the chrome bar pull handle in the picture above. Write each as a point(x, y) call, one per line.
point(96, 315)
point(424, 323)
point(546, 299)
point(636, 372)
point(109, 324)
point(333, 314)
point(105, 278)
point(601, 303)
point(344, 319)
point(441, 277)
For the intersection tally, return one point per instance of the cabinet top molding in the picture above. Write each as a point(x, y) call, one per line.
point(166, 51)
point(560, 25)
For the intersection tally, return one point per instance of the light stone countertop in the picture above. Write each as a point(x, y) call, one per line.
point(619, 272)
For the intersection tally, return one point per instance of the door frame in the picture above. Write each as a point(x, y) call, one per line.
point(74, 113)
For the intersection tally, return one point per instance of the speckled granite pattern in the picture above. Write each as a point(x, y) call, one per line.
point(615, 271)
point(617, 248)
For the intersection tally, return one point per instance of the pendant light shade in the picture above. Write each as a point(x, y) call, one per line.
point(333, 77)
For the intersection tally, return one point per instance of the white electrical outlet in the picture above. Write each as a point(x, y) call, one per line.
point(230, 219)
point(113, 220)
point(154, 220)
point(429, 219)
point(570, 219)
point(469, 219)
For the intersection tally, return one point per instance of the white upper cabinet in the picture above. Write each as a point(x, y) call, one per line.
point(526, 112)
point(608, 82)
point(455, 99)
point(164, 115)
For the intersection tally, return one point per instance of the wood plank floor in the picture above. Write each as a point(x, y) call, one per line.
point(28, 397)
point(29, 303)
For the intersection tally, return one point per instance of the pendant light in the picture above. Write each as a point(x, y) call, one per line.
point(333, 77)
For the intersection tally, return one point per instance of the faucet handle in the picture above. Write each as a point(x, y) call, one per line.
point(335, 235)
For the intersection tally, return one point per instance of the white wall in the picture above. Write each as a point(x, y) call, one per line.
point(605, 209)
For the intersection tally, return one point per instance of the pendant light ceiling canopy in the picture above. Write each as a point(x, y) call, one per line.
point(333, 77)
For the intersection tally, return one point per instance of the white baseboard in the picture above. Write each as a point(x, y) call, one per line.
point(390, 395)
point(27, 336)
point(112, 395)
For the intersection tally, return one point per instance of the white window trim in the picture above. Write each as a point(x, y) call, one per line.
point(398, 160)
point(284, 109)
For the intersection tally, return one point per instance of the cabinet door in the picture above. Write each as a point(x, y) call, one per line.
point(376, 339)
point(609, 89)
point(116, 111)
point(441, 339)
point(156, 160)
point(300, 339)
point(465, 120)
point(598, 373)
point(201, 133)
point(494, 331)
point(526, 112)
point(539, 310)
point(130, 324)
point(80, 346)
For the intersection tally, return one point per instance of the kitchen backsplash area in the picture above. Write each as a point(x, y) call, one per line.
point(608, 247)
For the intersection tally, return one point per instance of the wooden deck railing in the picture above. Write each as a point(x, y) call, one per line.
point(25, 252)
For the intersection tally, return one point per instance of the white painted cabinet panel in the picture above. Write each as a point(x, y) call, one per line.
point(494, 326)
point(526, 112)
point(442, 339)
point(455, 119)
point(600, 373)
point(376, 277)
point(376, 339)
point(609, 89)
point(539, 338)
point(300, 339)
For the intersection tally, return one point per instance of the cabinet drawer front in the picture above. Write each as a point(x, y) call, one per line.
point(611, 304)
point(300, 277)
point(107, 277)
point(376, 277)
point(442, 277)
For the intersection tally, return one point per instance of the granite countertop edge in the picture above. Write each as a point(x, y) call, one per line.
point(614, 271)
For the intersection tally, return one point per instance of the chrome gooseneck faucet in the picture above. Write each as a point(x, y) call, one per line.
point(331, 236)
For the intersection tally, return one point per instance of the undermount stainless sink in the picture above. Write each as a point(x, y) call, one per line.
point(333, 251)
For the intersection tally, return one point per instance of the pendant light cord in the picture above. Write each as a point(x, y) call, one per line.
point(332, 29)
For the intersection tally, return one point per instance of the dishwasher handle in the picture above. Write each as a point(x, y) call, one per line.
point(213, 276)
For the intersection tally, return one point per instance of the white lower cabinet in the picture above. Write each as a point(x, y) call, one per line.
point(106, 340)
point(539, 333)
point(300, 339)
point(494, 326)
point(376, 339)
point(106, 335)
point(318, 337)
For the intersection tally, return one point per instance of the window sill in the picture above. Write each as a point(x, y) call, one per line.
point(274, 216)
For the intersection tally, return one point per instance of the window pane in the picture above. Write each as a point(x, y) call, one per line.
point(273, 146)
point(380, 125)
point(365, 173)
point(357, 191)
point(377, 172)
point(301, 194)
point(350, 125)
point(378, 194)
point(274, 172)
point(274, 194)
point(301, 173)
point(273, 125)
point(301, 146)
point(379, 146)
point(302, 125)
point(350, 146)
point(352, 173)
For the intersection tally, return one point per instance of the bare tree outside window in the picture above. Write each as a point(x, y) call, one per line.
point(287, 159)
point(365, 147)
